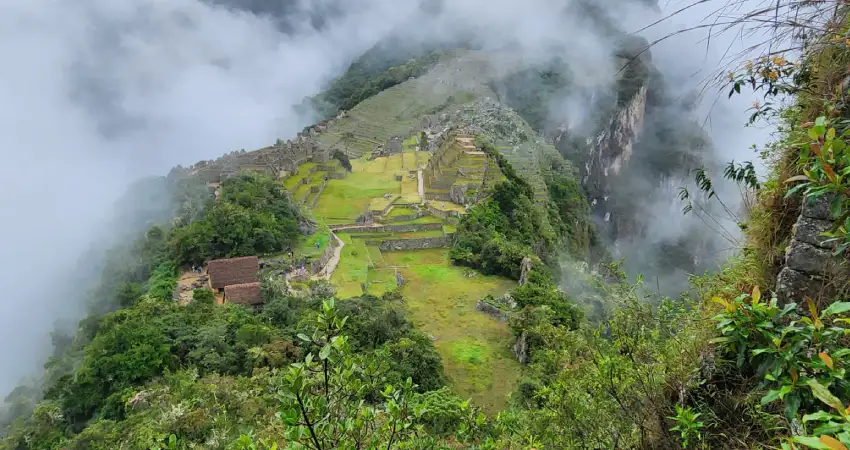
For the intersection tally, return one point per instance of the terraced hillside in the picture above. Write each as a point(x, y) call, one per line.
point(410, 106)
point(459, 172)
point(387, 223)
point(403, 245)
point(527, 152)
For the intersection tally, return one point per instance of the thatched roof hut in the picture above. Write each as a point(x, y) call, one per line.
point(225, 272)
point(247, 294)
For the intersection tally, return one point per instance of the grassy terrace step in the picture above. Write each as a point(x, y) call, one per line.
point(398, 211)
point(375, 256)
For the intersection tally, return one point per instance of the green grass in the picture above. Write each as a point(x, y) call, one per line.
point(378, 205)
point(303, 171)
point(446, 206)
point(322, 236)
point(471, 352)
point(376, 256)
point(411, 143)
point(409, 158)
point(422, 158)
point(449, 228)
point(381, 281)
point(344, 200)
point(418, 234)
point(353, 268)
point(420, 220)
point(401, 211)
point(475, 347)
point(417, 257)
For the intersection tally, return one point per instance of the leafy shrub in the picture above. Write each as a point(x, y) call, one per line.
point(254, 215)
point(442, 410)
point(340, 156)
point(414, 357)
point(162, 281)
point(366, 78)
point(799, 360)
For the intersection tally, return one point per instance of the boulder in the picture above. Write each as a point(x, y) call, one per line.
point(520, 348)
point(793, 286)
point(526, 266)
point(810, 231)
point(808, 259)
point(818, 207)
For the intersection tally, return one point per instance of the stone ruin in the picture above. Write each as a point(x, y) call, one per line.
point(367, 218)
point(281, 158)
point(292, 154)
point(391, 147)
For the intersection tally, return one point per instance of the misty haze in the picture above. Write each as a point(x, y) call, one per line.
point(423, 223)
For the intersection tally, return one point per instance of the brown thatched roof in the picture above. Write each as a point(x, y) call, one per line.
point(224, 272)
point(246, 294)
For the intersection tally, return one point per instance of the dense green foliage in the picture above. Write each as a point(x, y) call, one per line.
point(253, 216)
point(135, 350)
point(365, 78)
point(340, 156)
point(499, 232)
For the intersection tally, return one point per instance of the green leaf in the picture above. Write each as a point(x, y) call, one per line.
point(325, 352)
point(837, 308)
point(771, 395)
point(835, 207)
point(823, 394)
point(819, 416)
point(811, 442)
point(792, 405)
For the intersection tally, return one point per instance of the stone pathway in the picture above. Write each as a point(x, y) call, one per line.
point(188, 282)
point(328, 270)
point(421, 184)
point(365, 225)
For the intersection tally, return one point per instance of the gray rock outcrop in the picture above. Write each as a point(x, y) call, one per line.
point(520, 348)
point(810, 268)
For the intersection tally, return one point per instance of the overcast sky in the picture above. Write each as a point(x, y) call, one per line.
point(97, 93)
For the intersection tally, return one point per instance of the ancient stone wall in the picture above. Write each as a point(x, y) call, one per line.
point(394, 245)
point(316, 266)
point(405, 228)
point(404, 218)
point(492, 310)
point(439, 197)
point(441, 214)
point(810, 267)
point(319, 193)
point(458, 192)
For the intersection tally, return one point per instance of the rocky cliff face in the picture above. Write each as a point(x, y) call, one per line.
point(811, 270)
point(611, 150)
